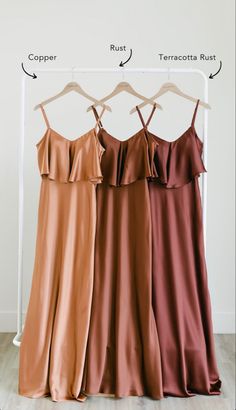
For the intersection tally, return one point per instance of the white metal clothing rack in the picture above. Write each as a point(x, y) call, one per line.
point(119, 71)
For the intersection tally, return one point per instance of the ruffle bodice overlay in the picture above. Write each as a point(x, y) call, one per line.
point(125, 162)
point(177, 162)
point(65, 160)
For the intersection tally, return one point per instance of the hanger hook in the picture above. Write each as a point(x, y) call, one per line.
point(123, 73)
point(168, 73)
point(72, 73)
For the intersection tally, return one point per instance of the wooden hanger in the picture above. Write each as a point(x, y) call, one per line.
point(124, 86)
point(174, 89)
point(72, 86)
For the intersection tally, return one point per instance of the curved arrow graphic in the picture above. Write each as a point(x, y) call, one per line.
point(123, 63)
point(211, 76)
point(31, 75)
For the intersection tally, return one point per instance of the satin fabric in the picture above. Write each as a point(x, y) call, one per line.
point(53, 345)
point(181, 298)
point(123, 356)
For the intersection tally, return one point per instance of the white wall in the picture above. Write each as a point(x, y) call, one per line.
point(79, 33)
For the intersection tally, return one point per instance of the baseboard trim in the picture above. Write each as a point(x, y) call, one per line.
point(223, 322)
point(8, 321)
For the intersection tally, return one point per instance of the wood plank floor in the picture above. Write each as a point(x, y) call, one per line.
point(10, 400)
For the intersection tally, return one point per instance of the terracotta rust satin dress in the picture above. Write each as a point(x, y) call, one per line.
point(123, 357)
point(54, 339)
point(181, 298)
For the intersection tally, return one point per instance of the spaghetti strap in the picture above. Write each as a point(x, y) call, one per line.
point(145, 125)
point(140, 116)
point(150, 116)
point(98, 117)
point(194, 114)
point(44, 116)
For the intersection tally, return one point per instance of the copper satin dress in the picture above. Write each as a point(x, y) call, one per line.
point(123, 356)
point(181, 298)
point(52, 350)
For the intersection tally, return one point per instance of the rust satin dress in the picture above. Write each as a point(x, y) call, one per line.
point(181, 299)
point(123, 356)
point(53, 345)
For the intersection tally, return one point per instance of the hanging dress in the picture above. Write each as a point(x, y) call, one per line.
point(53, 345)
point(123, 357)
point(181, 298)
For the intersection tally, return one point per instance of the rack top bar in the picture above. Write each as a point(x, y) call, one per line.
point(120, 70)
